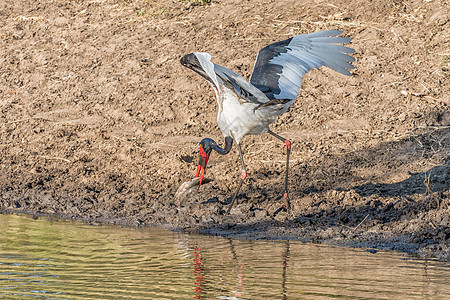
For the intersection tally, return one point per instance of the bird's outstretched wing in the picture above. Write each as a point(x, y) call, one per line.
point(222, 79)
point(279, 67)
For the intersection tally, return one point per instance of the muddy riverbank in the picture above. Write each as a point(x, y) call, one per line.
point(100, 122)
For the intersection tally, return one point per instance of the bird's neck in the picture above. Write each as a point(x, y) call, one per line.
point(226, 149)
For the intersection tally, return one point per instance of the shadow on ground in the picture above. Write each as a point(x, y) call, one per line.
point(411, 215)
point(436, 179)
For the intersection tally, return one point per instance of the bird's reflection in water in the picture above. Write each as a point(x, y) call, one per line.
point(239, 288)
point(286, 256)
point(240, 270)
point(198, 273)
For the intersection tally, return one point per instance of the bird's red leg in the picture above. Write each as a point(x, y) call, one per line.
point(288, 152)
point(243, 176)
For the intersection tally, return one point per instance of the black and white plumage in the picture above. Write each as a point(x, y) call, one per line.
point(250, 107)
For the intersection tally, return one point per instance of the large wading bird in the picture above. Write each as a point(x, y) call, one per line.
point(250, 107)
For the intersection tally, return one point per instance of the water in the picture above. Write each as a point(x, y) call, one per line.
point(71, 260)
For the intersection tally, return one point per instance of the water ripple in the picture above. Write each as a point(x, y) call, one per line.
point(66, 260)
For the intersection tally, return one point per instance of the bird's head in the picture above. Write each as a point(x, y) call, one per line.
point(205, 148)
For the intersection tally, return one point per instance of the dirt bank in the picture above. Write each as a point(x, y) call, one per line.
point(99, 121)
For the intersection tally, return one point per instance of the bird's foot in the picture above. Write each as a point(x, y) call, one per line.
point(287, 201)
point(243, 176)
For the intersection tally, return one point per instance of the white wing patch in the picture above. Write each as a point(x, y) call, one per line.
point(295, 66)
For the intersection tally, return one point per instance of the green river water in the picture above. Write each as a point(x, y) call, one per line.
point(72, 260)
